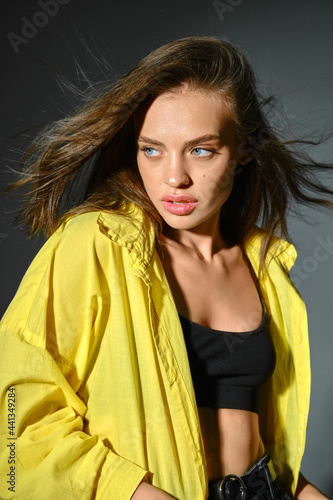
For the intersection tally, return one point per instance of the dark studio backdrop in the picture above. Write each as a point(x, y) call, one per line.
point(290, 44)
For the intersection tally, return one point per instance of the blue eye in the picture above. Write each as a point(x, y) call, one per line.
point(150, 151)
point(201, 152)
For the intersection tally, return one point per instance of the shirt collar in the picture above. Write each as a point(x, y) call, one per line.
point(130, 228)
point(279, 249)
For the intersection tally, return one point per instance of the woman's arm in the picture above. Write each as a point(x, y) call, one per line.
point(49, 340)
point(307, 491)
point(51, 452)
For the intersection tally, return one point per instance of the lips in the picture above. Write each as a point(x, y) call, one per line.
point(179, 204)
point(179, 198)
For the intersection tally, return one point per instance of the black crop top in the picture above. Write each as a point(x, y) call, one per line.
point(228, 367)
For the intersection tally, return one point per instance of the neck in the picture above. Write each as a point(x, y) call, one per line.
point(204, 241)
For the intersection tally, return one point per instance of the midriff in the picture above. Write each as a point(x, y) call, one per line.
point(231, 439)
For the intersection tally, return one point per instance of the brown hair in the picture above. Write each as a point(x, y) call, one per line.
point(102, 131)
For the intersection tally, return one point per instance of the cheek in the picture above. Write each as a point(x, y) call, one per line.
point(214, 187)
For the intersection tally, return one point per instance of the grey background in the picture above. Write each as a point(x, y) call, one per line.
point(290, 44)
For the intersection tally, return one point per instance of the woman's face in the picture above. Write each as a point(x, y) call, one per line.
point(187, 154)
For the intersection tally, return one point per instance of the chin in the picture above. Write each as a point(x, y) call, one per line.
point(192, 220)
point(184, 222)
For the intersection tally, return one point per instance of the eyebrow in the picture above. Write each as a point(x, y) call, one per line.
point(187, 144)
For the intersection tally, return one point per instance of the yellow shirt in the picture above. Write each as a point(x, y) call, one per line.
point(93, 351)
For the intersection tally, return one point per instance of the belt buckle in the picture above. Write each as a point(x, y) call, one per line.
point(222, 486)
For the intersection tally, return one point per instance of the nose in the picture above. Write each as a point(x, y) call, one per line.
point(176, 173)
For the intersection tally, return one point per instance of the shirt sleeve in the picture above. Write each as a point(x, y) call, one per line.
point(49, 341)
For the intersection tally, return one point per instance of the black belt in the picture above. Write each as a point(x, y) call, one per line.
point(232, 487)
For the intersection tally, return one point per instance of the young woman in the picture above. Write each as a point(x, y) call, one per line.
point(156, 347)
